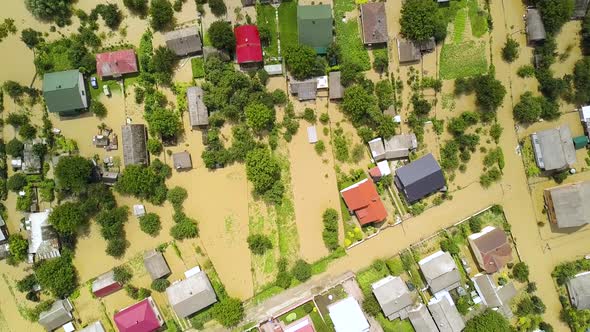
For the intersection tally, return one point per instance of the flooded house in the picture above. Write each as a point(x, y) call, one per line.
point(105, 284)
point(445, 314)
point(554, 149)
point(363, 200)
point(336, 90)
point(420, 178)
point(248, 47)
point(578, 289)
point(31, 162)
point(134, 144)
point(197, 111)
point(274, 69)
point(57, 316)
point(440, 272)
point(396, 147)
point(492, 296)
point(4, 250)
point(535, 30)
point(192, 294)
point(143, 316)
point(94, 327)
point(65, 92)
point(393, 296)
point(374, 23)
point(182, 161)
point(491, 248)
point(155, 264)
point(567, 205)
point(421, 319)
point(116, 64)
point(43, 239)
point(347, 316)
point(407, 52)
point(304, 90)
point(184, 42)
point(314, 25)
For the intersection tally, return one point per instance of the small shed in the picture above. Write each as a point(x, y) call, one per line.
point(185, 41)
point(580, 142)
point(336, 88)
point(312, 134)
point(182, 161)
point(155, 264)
point(347, 316)
point(377, 149)
point(304, 90)
point(407, 51)
point(197, 111)
point(94, 327)
point(105, 284)
point(109, 178)
point(535, 30)
point(139, 210)
point(58, 315)
point(273, 70)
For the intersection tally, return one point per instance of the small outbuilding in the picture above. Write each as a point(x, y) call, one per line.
point(116, 64)
point(105, 284)
point(184, 41)
point(568, 205)
point(191, 295)
point(347, 316)
point(155, 264)
point(336, 89)
point(182, 161)
point(134, 144)
point(554, 149)
point(440, 272)
point(139, 210)
point(491, 248)
point(374, 23)
point(43, 239)
point(58, 315)
point(377, 149)
point(109, 178)
point(314, 24)
point(248, 46)
point(65, 92)
point(580, 9)
point(445, 314)
point(393, 296)
point(578, 288)
point(400, 146)
point(535, 30)
point(143, 316)
point(197, 111)
point(407, 52)
point(419, 178)
point(274, 70)
point(312, 134)
point(421, 319)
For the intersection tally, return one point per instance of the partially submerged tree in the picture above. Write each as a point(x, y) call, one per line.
point(161, 14)
point(259, 244)
point(217, 7)
point(67, 218)
point(31, 37)
point(58, 11)
point(222, 36)
point(420, 20)
point(555, 13)
point(73, 173)
point(303, 62)
point(510, 50)
point(57, 275)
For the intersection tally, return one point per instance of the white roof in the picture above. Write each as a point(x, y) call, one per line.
point(94, 327)
point(312, 134)
point(274, 69)
point(322, 82)
point(192, 272)
point(585, 114)
point(484, 231)
point(347, 316)
point(384, 167)
point(138, 210)
point(36, 222)
point(69, 327)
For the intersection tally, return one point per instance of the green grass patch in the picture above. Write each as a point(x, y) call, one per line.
point(348, 36)
point(395, 325)
point(463, 60)
point(266, 294)
point(459, 26)
point(368, 276)
point(198, 66)
point(288, 24)
point(206, 40)
point(478, 18)
point(395, 266)
point(321, 265)
point(265, 17)
point(528, 156)
point(285, 215)
point(318, 322)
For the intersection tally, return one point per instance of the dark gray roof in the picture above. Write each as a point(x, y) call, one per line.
point(579, 290)
point(374, 23)
point(446, 316)
point(393, 296)
point(134, 144)
point(182, 160)
point(440, 271)
point(407, 51)
point(422, 320)
point(191, 295)
point(535, 30)
point(184, 41)
point(197, 111)
point(155, 264)
point(335, 86)
point(554, 148)
point(419, 178)
point(305, 90)
point(570, 204)
point(580, 8)
point(58, 315)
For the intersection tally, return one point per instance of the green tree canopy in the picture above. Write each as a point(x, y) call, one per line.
point(489, 92)
point(555, 13)
point(73, 173)
point(489, 321)
point(218, 7)
point(67, 218)
point(582, 80)
point(528, 109)
point(303, 62)
point(161, 14)
point(15, 148)
point(31, 37)
point(58, 275)
point(122, 274)
point(144, 182)
point(16, 182)
point(262, 170)
point(510, 50)
point(259, 117)
point(222, 36)
point(19, 248)
point(139, 7)
point(228, 312)
point(521, 272)
point(301, 270)
point(176, 196)
point(357, 102)
point(420, 20)
point(97, 108)
point(163, 122)
point(59, 11)
point(150, 224)
point(259, 243)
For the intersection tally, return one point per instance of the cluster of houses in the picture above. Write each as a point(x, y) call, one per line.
point(186, 297)
point(535, 29)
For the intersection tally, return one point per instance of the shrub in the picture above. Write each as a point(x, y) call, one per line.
point(160, 285)
point(475, 224)
point(116, 247)
point(184, 230)
point(18, 247)
point(521, 272)
point(150, 224)
point(510, 50)
point(16, 182)
point(218, 7)
point(370, 304)
point(320, 147)
point(330, 233)
point(259, 243)
point(176, 196)
point(526, 71)
point(309, 115)
point(154, 146)
point(161, 14)
point(449, 246)
point(27, 283)
point(324, 118)
point(301, 270)
point(27, 131)
point(228, 312)
point(489, 321)
point(279, 97)
point(122, 274)
point(57, 275)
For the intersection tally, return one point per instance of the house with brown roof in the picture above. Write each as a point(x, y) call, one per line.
point(567, 205)
point(374, 23)
point(363, 200)
point(490, 248)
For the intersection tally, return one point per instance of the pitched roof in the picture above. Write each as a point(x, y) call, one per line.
point(377, 148)
point(184, 41)
point(64, 91)
point(347, 316)
point(493, 246)
point(407, 51)
point(554, 148)
point(535, 30)
point(393, 296)
point(105, 284)
point(419, 178)
point(134, 144)
point(314, 24)
point(155, 264)
point(446, 316)
point(374, 23)
point(440, 271)
point(580, 8)
point(140, 317)
point(568, 204)
point(93, 327)
point(491, 295)
point(305, 90)
point(43, 239)
point(59, 314)
point(363, 198)
point(116, 64)
point(197, 111)
point(336, 88)
point(191, 295)
point(422, 320)
point(182, 160)
point(248, 46)
point(579, 290)
point(399, 146)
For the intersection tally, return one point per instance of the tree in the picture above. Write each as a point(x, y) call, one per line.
point(145, 182)
point(259, 244)
point(301, 270)
point(110, 13)
point(186, 229)
point(18, 247)
point(302, 62)
point(222, 36)
point(555, 13)
point(176, 196)
point(279, 97)
point(97, 108)
point(163, 61)
point(489, 92)
point(330, 233)
point(449, 246)
point(217, 7)
point(139, 7)
point(154, 146)
point(161, 14)
point(228, 312)
point(15, 148)
point(284, 278)
point(58, 11)
point(475, 224)
point(16, 182)
point(384, 93)
point(160, 285)
point(370, 304)
point(163, 122)
point(112, 222)
point(150, 224)
point(116, 247)
point(27, 283)
point(528, 109)
point(73, 173)
point(262, 170)
point(489, 321)
point(31, 37)
point(582, 80)
point(357, 102)
point(419, 20)
point(58, 275)
point(122, 274)
point(67, 218)
point(380, 61)
point(27, 131)
point(334, 54)
point(521, 272)
point(259, 117)
point(510, 50)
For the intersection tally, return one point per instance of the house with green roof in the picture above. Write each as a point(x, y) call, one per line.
point(65, 92)
point(314, 24)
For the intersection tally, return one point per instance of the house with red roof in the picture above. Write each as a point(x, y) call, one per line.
point(362, 199)
point(143, 316)
point(116, 64)
point(248, 46)
point(105, 284)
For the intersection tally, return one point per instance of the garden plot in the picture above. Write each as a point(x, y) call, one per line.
point(266, 19)
point(288, 24)
point(347, 34)
point(463, 60)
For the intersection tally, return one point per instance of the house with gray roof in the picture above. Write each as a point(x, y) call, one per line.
point(580, 9)
point(440, 272)
point(185, 41)
point(493, 296)
point(535, 30)
point(445, 314)
point(304, 90)
point(336, 90)
point(393, 296)
point(400, 146)
point(197, 111)
point(407, 52)
point(377, 149)
point(421, 319)
point(419, 178)
point(155, 264)
point(43, 239)
point(191, 295)
point(374, 23)
point(59, 314)
point(567, 205)
point(182, 161)
point(554, 149)
point(579, 290)
point(134, 144)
